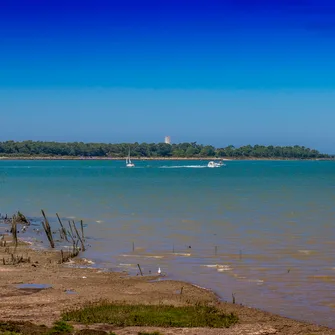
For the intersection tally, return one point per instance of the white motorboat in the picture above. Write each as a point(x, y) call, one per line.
point(213, 164)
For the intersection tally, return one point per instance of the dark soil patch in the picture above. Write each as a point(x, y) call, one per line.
point(25, 328)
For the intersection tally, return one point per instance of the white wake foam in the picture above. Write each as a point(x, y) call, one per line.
point(183, 167)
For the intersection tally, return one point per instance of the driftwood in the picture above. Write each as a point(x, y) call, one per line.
point(63, 230)
point(140, 269)
point(14, 231)
point(3, 242)
point(47, 230)
point(72, 235)
point(82, 230)
point(79, 237)
point(5, 219)
point(66, 256)
point(22, 219)
point(13, 260)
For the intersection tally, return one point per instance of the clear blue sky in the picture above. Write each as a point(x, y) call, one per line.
point(219, 72)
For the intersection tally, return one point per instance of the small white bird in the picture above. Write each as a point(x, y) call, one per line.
point(159, 271)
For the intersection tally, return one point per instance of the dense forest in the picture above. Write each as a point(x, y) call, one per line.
point(152, 150)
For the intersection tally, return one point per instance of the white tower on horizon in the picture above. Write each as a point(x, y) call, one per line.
point(167, 140)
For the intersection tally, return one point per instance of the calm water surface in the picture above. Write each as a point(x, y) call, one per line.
point(262, 230)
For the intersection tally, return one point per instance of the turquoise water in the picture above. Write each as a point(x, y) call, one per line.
point(263, 230)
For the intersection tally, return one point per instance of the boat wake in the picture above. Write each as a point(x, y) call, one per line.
point(183, 167)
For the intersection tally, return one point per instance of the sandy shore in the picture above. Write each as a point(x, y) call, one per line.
point(72, 286)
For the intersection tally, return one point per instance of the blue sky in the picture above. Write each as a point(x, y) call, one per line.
point(220, 72)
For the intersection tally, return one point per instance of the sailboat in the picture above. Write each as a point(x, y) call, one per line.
point(128, 161)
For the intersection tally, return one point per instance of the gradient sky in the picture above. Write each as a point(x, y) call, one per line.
point(219, 72)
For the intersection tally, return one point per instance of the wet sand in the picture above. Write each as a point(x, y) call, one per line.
point(76, 283)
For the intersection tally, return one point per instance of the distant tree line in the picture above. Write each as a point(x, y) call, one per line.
point(152, 150)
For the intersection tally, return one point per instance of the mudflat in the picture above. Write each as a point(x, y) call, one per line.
point(39, 288)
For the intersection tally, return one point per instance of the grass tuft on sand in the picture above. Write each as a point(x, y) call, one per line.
point(125, 315)
point(61, 327)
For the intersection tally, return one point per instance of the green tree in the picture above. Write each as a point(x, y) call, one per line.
point(207, 151)
point(38, 148)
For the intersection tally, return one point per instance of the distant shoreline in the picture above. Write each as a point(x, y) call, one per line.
point(152, 151)
point(75, 158)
